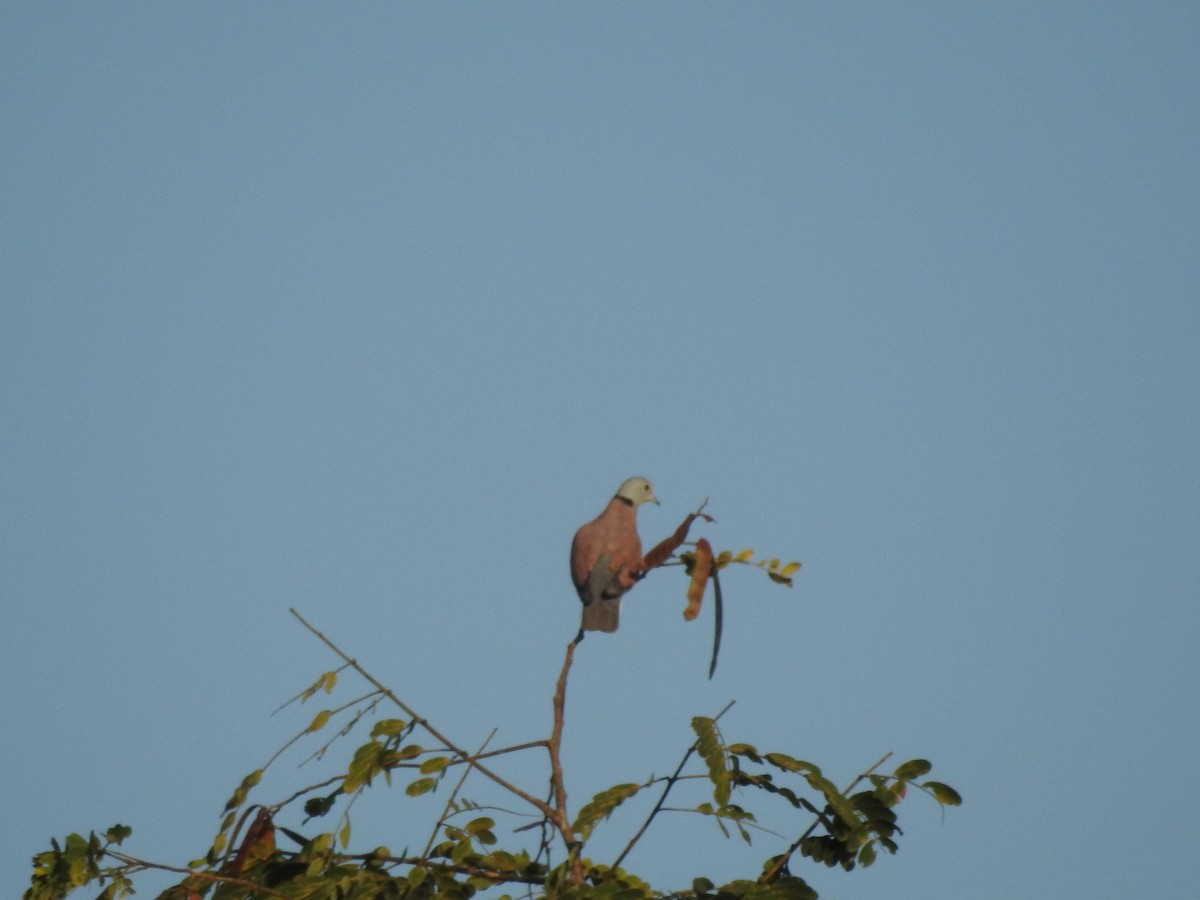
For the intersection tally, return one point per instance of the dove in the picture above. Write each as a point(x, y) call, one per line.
point(606, 556)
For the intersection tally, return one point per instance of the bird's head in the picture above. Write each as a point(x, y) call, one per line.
point(637, 490)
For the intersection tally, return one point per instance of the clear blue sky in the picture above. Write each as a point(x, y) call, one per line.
point(364, 309)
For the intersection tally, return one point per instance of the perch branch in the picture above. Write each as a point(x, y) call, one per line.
point(557, 785)
point(665, 548)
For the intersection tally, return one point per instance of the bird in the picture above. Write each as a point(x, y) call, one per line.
point(606, 556)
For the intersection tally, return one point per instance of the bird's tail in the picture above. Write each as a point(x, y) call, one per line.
point(602, 614)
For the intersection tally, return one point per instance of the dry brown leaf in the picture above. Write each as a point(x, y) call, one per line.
point(700, 573)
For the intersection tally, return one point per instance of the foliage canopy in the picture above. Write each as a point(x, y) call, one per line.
point(260, 850)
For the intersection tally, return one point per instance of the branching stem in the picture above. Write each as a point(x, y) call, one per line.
point(676, 776)
point(447, 809)
point(257, 889)
point(540, 805)
point(770, 874)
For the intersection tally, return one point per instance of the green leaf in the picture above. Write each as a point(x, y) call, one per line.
point(217, 848)
point(500, 859)
point(421, 786)
point(601, 807)
point(434, 765)
point(843, 807)
point(746, 750)
point(377, 857)
point(319, 720)
point(117, 833)
point(388, 728)
point(943, 793)
point(712, 751)
point(914, 768)
point(239, 795)
point(785, 762)
point(866, 855)
point(462, 851)
point(787, 887)
point(483, 823)
point(317, 848)
point(365, 765)
point(344, 835)
point(701, 886)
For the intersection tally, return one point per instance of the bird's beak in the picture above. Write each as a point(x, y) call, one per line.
point(654, 500)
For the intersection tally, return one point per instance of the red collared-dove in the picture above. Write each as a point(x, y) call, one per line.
point(606, 556)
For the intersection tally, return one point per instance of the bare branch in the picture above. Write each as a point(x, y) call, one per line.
point(258, 889)
point(490, 874)
point(541, 805)
point(558, 788)
point(450, 801)
point(676, 776)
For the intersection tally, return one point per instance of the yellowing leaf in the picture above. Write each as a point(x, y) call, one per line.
point(712, 751)
point(434, 765)
point(600, 807)
point(943, 793)
point(388, 727)
point(420, 786)
point(914, 768)
point(319, 720)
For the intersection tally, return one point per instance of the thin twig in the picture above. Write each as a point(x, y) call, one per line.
point(529, 745)
point(319, 753)
point(309, 730)
point(540, 805)
point(741, 823)
point(492, 874)
point(258, 889)
point(666, 790)
point(308, 691)
point(450, 802)
point(300, 793)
